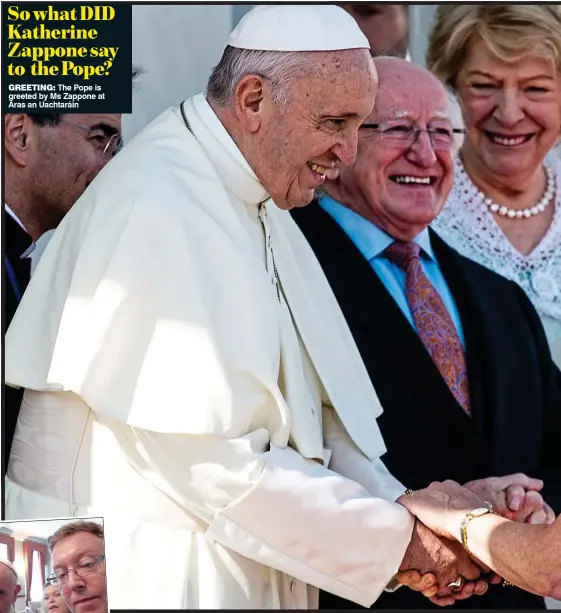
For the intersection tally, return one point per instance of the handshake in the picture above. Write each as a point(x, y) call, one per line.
point(435, 563)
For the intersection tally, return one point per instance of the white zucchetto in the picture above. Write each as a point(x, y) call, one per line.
point(298, 27)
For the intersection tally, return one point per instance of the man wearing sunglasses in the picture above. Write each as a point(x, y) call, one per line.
point(456, 353)
point(78, 563)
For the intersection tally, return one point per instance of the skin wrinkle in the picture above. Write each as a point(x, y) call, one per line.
point(366, 188)
point(280, 141)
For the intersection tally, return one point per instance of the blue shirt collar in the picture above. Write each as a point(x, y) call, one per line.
point(370, 240)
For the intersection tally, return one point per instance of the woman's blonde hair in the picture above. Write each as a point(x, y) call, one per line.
point(509, 31)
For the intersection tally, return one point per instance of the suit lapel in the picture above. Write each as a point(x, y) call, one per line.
point(374, 316)
point(480, 339)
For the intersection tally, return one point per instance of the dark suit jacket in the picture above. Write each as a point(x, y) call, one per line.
point(515, 386)
point(16, 242)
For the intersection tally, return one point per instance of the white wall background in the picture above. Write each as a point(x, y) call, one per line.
point(420, 21)
point(177, 46)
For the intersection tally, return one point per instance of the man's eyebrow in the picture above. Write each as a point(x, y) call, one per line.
point(104, 127)
point(343, 115)
point(398, 115)
point(409, 117)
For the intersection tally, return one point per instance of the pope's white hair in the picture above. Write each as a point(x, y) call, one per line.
point(279, 68)
point(12, 568)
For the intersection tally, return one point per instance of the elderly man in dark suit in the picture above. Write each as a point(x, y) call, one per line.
point(456, 353)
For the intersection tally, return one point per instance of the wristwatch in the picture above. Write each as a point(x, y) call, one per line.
point(465, 522)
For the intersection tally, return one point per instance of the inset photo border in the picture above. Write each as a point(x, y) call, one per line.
point(53, 566)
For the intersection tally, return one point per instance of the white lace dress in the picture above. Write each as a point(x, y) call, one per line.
point(467, 225)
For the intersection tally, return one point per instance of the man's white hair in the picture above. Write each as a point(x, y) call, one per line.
point(277, 67)
point(456, 115)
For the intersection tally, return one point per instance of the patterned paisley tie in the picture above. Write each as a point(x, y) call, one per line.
point(434, 324)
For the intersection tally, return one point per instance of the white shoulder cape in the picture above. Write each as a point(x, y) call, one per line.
point(149, 304)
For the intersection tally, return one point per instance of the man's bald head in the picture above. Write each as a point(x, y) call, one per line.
point(397, 76)
point(404, 167)
point(9, 586)
point(399, 82)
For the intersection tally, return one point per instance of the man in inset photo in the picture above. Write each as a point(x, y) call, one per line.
point(78, 562)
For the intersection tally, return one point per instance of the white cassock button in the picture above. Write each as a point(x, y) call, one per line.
point(292, 585)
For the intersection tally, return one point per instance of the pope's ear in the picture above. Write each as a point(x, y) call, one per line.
point(250, 96)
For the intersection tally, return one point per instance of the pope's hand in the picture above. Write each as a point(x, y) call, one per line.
point(446, 559)
point(516, 497)
point(426, 584)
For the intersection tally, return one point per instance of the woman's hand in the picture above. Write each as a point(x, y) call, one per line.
point(515, 497)
point(442, 506)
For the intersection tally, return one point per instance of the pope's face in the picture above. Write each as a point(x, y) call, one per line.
point(297, 141)
point(9, 589)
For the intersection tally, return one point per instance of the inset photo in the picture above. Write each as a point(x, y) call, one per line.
point(53, 566)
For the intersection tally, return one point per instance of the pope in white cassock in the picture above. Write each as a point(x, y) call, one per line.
point(189, 374)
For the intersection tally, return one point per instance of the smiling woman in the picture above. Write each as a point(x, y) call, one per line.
point(504, 63)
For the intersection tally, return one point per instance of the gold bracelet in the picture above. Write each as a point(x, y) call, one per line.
point(465, 523)
point(409, 492)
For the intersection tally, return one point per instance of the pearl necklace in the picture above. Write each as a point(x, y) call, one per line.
point(540, 207)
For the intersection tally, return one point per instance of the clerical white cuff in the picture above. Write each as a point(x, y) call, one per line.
point(317, 526)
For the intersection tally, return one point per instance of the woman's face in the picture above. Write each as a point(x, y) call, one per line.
point(512, 111)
